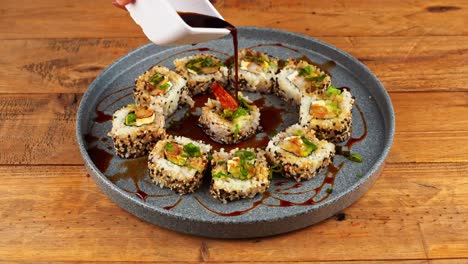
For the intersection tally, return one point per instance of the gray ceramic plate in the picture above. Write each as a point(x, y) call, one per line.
point(288, 206)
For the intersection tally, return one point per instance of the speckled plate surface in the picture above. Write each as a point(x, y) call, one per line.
point(287, 206)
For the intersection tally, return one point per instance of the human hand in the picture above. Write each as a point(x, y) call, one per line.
point(122, 3)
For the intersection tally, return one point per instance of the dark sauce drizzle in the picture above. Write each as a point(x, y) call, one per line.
point(281, 183)
point(354, 140)
point(101, 116)
point(170, 207)
point(135, 170)
point(100, 158)
point(295, 186)
point(204, 21)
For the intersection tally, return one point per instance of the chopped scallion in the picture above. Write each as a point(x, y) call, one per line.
point(130, 119)
point(333, 90)
point(192, 150)
point(156, 78)
point(236, 130)
point(164, 86)
point(309, 144)
point(355, 157)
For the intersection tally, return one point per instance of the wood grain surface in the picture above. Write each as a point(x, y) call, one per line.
point(417, 212)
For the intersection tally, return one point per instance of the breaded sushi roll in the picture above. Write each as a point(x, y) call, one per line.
point(161, 87)
point(228, 121)
point(178, 163)
point(329, 114)
point(135, 130)
point(299, 153)
point(257, 71)
point(300, 77)
point(238, 174)
point(200, 71)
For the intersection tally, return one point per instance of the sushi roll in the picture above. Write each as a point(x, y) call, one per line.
point(178, 163)
point(299, 153)
point(238, 174)
point(257, 71)
point(200, 71)
point(160, 87)
point(135, 130)
point(228, 121)
point(329, 114)
point(299, 77)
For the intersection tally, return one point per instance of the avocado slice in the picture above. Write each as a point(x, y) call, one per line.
point(299, 146)
point(178, 160)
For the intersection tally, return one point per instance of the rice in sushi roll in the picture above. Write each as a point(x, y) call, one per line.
point(227, 121)
point(135, 130)
point(178, 163)
point(299, 153)
point(238, 174)
point(200, 71)
point(160, 87)
point(298, 78)
point(329, 114)
point(257, 71)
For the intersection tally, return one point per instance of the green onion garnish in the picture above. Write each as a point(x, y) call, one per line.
point(164, 86)
point(192, 150)
point(317, 79)
point(220, 174)
point(236, 130)
point(255, 59)
point(355, 157)
point(307, 70)
point(195, 64)
point(309, 144)
point(333, 90)
point(208, 62)
point(244, 154)
point(130, 119)
point(298, 133)
point(156, 78)
point(169, 147)
point(244, 104)
point(275, 169)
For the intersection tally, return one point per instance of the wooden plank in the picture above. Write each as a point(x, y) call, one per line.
point(430, 261)
point(411, 213)
point(70, 65)
point(63, 66)
point(336, 18)
point(429, 147)
point(430, 112)
point(40, 128)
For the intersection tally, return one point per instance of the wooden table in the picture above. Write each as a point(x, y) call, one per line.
point(417, 212)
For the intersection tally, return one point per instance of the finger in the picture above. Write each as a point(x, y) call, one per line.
point(121, 3)
point(124, 2)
